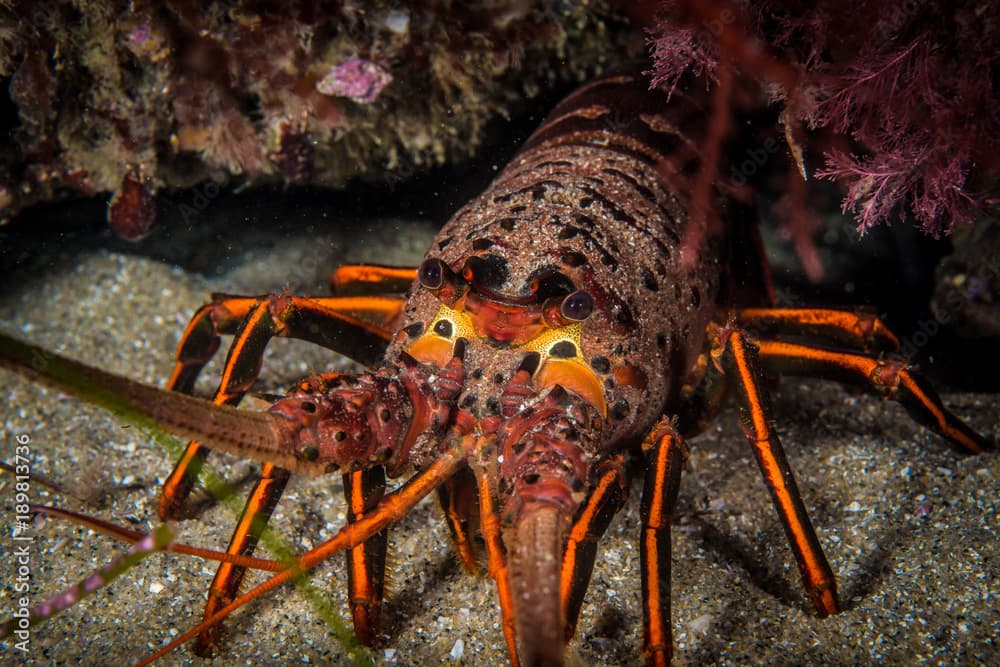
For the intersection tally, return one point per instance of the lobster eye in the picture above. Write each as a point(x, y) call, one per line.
point(431, 273)
point(577, 306)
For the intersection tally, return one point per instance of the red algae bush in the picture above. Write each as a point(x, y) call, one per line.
point(894, 99)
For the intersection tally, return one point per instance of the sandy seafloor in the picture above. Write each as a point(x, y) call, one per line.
point(911, 529)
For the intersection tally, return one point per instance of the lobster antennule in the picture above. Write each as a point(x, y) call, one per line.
point(260, 436)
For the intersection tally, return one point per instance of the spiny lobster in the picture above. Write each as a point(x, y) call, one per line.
point(554, 345)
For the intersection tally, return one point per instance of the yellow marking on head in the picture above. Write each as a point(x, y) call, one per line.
point(559, 349)
point(433, 346)
point(562, 364)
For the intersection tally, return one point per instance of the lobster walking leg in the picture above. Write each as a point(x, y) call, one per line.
point(366, 562)
point(890, 378)
point(664, 454)
point(496, 558)
point(371, 279)
point(334, 322)
point(606, 498)
point(458, 498)
point(390, 509)
point(241, 368)
point(256, 512)
point(320, 320)
point(226, 313)
point(198, 345)
point(861, 329)
point(739, 357)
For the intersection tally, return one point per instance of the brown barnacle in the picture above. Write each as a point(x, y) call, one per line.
point(132, 210)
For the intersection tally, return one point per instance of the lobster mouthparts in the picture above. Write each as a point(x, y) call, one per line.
point(545, 469)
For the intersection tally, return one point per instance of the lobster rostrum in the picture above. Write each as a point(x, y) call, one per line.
point(554, 344)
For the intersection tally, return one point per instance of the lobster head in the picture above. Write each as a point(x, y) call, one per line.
point(536, 328)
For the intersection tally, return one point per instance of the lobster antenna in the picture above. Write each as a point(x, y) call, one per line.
point(260, 436)
point(133, 536)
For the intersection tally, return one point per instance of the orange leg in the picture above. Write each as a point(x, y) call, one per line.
point(496, 557)
point(739, 357)
point(241, 368)
point(198, 345)
point(842, 326)
point(372, 279)
point(226, 313)
point(459, 499)
point(256, 513)
point(890, 378)
point(606, 498)
point(366, 562)
point(331, 322)
point(334, 322)
point(664, 454)
point(700, 404)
